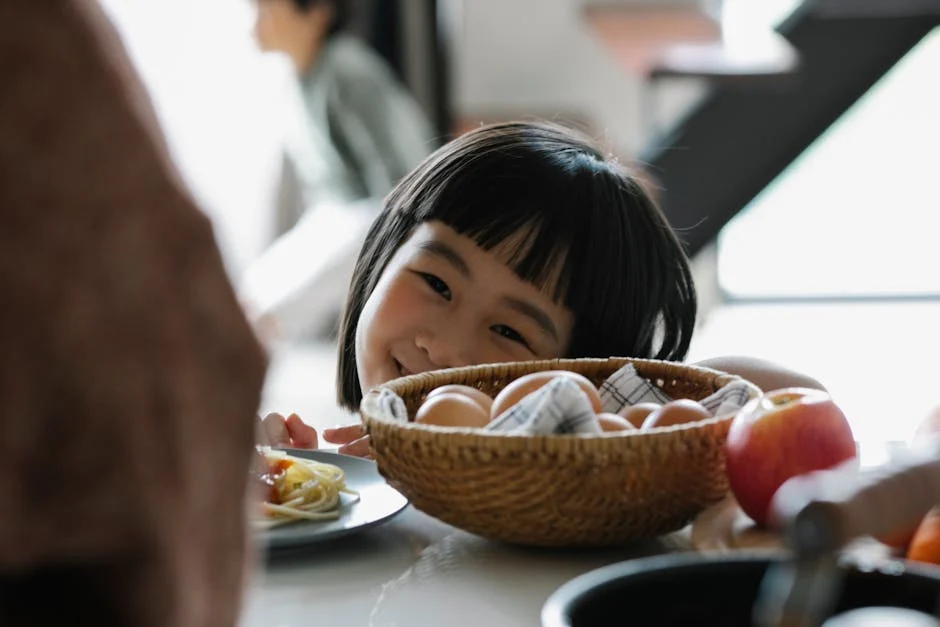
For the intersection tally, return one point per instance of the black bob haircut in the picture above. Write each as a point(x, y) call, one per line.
point(596, 241)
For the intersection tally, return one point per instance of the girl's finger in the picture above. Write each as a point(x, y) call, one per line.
point(360, 448)
point(344, 435)
point(275, 430)
point(301, 434)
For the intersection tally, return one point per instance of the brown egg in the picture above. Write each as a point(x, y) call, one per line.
point(452, 410)
point(482, 398)
point(526, 384)
point(636, 414)
point(676, 412)
point(613, 422)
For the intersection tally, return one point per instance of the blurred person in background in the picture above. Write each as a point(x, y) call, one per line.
point(123, 350)
point(361, 131)
point(376, 130)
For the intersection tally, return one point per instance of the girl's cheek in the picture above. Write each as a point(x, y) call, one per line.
point(496, 350)
point(391, 310)
point(409, 299)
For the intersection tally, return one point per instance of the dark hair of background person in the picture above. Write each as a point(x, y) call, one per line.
point(342, 12)
point(379, 22)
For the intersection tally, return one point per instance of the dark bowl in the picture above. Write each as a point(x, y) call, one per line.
point(717, 591)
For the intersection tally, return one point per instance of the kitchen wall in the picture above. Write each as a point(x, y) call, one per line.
point(512, 57)
point(533, 57)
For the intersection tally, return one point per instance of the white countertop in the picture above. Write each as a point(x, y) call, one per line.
point(415, 571)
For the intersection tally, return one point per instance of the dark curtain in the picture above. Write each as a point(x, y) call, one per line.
point(381, 23)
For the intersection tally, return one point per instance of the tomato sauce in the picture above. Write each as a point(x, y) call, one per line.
point(273, 471)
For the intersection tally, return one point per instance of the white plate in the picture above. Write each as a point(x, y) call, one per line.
point(378, 502)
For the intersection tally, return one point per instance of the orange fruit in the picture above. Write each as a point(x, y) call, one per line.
point(925, 545)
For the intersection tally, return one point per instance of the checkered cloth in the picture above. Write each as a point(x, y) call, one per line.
point(561, 406)
point(391, 405)
point(625, 388)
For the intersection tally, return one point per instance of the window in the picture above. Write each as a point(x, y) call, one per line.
point(215, 96)
point(858, 214)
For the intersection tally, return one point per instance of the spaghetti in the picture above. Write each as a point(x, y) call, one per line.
point(300, 489)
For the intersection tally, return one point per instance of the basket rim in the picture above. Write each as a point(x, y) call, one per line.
point(453, 437)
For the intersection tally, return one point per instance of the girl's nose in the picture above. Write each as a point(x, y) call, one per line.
point(446, 347)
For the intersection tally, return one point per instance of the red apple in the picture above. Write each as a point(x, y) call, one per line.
point(781, 434)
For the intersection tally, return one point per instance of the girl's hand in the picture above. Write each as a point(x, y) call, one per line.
point(353, 439)
point(290, 432)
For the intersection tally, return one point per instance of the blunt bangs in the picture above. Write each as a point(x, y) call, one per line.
point(548, 204)
point(537, 190)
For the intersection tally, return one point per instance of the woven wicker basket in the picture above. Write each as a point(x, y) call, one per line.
point(556, 490)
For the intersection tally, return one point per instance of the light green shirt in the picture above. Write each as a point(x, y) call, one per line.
point(367, 128)
point(360, 131)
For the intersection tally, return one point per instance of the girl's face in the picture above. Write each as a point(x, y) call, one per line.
point(445, 302)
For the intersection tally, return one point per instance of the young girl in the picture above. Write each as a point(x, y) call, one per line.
point(516, 241)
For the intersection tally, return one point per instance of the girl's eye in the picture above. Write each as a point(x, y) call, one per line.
point(436, 284)
point(510, 334)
